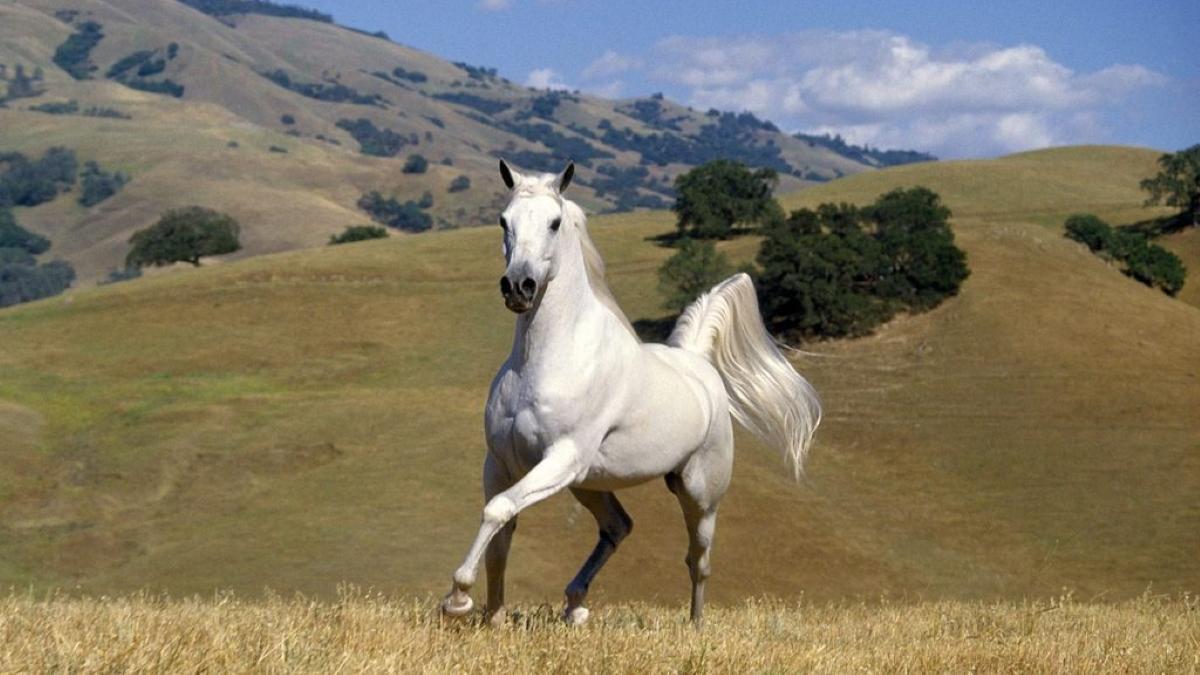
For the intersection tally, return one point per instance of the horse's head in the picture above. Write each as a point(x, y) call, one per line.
point(532, 223)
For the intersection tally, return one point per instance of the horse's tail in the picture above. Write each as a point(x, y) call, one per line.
point(767, 396)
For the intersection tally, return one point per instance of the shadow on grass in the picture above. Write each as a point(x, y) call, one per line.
point(1157, 227)
point(669, 239)
point(655, 330)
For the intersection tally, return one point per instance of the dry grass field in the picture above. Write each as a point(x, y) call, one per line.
point(370, 633)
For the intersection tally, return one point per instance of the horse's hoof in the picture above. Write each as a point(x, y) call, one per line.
point(498, 618)
point(457, 605)
point(576, 616)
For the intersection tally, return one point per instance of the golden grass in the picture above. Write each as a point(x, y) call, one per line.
point(373, 633)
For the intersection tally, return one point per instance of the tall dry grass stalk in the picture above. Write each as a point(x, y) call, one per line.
point(368, 632)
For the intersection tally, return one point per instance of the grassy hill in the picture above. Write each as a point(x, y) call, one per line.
point(251, 83)
point(313, 417)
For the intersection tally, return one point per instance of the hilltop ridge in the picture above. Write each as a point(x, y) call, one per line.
point(285, 119)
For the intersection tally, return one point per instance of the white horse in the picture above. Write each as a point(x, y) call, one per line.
point(581, 404)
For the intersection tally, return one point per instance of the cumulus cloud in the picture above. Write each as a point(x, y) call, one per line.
point(609, 64)
point(545, 78)
point(886, 89)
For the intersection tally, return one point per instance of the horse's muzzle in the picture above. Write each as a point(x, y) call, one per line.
point(518, 298)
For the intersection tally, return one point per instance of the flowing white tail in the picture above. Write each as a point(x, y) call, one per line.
point(767, 396)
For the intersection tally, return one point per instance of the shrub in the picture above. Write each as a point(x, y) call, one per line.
point(410, 75)
point(287, 120)
point(415, 164)
point(116, 276)
point(460, 184)
point(841, 271)
point(184, 235)
point(716, 196)
point(165, 87)
point(128, 62)
point(70, 107)
point(359, 233)
point(373, 140)
point(99, 185)
point(1090, 231)
point(20, 282)
point(322, 91)
point(406, 216)
point(487, 106)
point(696, 267)
point(20, 86)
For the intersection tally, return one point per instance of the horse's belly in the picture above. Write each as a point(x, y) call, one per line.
point(626, 459)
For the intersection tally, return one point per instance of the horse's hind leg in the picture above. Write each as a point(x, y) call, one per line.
point(701, 524)
point(614, 525)
point(699, 486)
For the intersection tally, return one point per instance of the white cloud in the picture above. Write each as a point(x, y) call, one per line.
point(494, 5)
point(887, 89)
point(545, 78)
point(612, 89)
point(610, 63)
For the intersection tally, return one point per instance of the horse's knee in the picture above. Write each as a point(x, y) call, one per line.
point(499, 510)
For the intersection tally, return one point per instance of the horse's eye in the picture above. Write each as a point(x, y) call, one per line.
point(504, 223)
point(555, 224)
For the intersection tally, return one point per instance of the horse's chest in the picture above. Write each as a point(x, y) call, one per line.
point(533, 415)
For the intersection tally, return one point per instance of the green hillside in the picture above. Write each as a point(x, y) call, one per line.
point(308, 418)
point(326, 95)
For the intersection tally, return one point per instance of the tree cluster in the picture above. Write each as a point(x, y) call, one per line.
point(407, 216)
point(459, 184)
point(717, 196)
point(221, 8)
point(98, 185)
point(75, 54)
point(842, 270)
point(696, 267)
point(21, 278)
point(358, 233)
point(184, 235)
point(334, 92)
point(415, 164)
point(1149, 263)
point(375, 141)
point(1177, 183)
point(27, 182)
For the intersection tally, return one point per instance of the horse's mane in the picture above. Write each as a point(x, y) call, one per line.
point(592, 262)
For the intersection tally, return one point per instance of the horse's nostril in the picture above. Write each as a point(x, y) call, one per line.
point(505, 286)
point(529, 286)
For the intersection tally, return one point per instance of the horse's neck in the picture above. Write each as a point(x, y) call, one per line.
point(549, 332)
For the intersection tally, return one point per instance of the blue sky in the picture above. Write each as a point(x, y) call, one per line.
point(954, 78)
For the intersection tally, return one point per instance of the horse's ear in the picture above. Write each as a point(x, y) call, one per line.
point(564, 178)
point(507, 174)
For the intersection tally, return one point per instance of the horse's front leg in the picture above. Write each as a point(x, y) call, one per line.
point(496, 479)
point(556, 471)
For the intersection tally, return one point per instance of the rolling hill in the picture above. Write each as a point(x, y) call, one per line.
point(299, 420)
point(285, 122)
